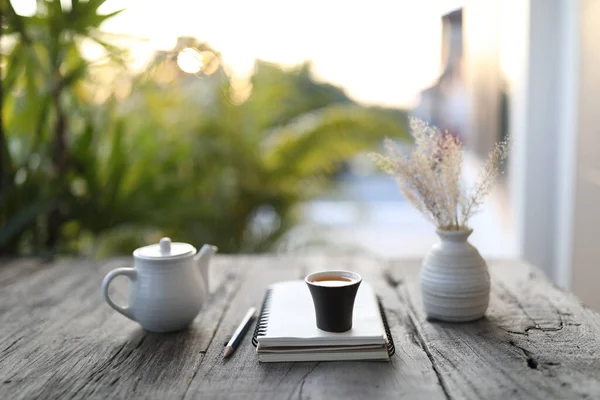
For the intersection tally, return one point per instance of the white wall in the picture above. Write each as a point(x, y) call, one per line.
point(531, 34)
point(585, 255)
point(556, 125)
point(547, 52)
point(568, 100)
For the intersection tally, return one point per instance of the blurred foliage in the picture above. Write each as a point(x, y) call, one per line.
point(201, 158)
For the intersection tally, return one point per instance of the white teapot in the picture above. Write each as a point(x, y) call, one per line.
point(168, 285)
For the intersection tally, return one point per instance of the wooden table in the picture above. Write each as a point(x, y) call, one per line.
point(58, 339)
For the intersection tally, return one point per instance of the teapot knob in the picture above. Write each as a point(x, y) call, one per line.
point(165, 245)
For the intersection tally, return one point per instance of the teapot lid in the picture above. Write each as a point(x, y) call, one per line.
point(165, 249)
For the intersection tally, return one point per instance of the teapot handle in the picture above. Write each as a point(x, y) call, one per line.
point(128, 272)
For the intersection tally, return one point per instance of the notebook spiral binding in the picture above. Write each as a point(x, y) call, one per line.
point(390, 344)
point(263, 321)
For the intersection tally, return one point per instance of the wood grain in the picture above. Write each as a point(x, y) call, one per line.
point(536, 342)
point(66, 343)
point(409, 375)
point(58, 339)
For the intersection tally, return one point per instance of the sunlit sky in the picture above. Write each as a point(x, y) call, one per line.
point(380, 51)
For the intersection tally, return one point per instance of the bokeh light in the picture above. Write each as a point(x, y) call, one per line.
point(190, 60)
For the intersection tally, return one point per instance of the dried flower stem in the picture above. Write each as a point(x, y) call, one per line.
point(430, 177)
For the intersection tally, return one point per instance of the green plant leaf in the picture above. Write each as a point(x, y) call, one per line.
point(315, 143)
point(25, 216)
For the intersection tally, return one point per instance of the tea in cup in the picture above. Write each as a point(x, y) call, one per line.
point(333, 294)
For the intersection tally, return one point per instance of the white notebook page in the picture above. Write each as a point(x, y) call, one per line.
point(292, 320)
point(380, 355)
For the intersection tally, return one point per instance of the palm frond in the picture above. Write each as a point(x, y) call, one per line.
point(316, 142)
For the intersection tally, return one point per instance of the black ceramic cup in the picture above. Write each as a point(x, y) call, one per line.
point(333, 294)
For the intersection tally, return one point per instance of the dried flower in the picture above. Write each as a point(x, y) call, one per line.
point(430, 177)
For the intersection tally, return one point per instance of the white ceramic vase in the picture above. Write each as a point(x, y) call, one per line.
point(455, 282)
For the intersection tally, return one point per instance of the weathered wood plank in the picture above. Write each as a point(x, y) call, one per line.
point(59, 340)
point(14, 270)
point(72, 345)
point(535, 341)
point(410, 374)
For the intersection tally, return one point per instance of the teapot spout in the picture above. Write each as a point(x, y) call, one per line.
point(202, 259)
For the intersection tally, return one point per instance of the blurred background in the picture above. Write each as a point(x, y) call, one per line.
point(246, 125)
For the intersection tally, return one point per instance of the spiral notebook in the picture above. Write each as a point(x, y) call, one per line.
point(286, 329)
